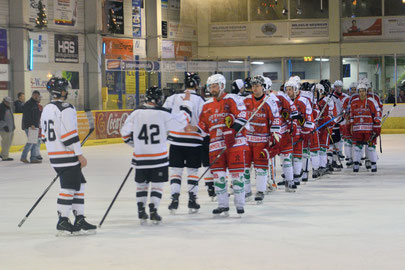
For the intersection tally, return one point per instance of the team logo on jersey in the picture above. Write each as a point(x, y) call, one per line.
point(65, 104)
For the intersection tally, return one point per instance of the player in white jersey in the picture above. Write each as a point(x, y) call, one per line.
point(185, 147)
point(59, 132)
point(146, 130)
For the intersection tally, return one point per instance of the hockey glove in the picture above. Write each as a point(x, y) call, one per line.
point(229, 137)
point(377, 130)
point(6, 129)
point(270, 151)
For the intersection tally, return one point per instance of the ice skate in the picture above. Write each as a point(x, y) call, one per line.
point(193, 206)
point(336, 166)
point(248, 196)
point(83, 227)
point(259, 197)
point(221, 210)
point(368, 164)
point(373, 167)
point(240, 211)
point(356, 167)
point(154, 216)
point(143, 217)
point(340, 154)
point(64, 227)
point(211, 192)
point(290, 187)
point(174, 204)
point(315, 174)
point(305, 176)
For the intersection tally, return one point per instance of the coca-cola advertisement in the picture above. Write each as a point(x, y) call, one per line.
point(110, 123)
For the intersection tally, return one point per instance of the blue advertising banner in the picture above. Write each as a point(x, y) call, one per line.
point(3, 46)
point(136, 18)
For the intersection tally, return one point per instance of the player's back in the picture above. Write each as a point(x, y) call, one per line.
point(59, 132)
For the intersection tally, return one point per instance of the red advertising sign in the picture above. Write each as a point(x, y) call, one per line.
point(116, 48)
point(183, 49)
point(362, 27)
point(108, 124)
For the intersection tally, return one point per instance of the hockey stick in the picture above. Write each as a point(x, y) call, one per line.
point(382, 122)
point(90, 118)
point(115, 197)
point(237, 133)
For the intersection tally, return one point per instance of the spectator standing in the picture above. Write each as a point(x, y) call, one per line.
point(401, 97)
point(7, 127)
point(31, 120)
point(391, 97)
point(19, 103)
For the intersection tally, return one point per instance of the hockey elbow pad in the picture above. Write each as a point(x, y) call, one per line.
point(129, 139)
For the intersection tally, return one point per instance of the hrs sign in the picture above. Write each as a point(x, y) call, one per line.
point(66, 49)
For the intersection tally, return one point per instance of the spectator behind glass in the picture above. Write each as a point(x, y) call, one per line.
point(401, 97)
point(391, 97)
point(31, 120)
point(19, 103)
point(6, 127)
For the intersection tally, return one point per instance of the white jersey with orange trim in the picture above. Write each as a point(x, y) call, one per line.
point(59, 132)
point(177, 136)
point(146, 128)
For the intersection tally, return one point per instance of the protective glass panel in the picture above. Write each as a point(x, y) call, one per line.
point(262, 10)
point(361, 8)
point(309, 9)
point(268, 68)
point(229, 11)
point(394, 8)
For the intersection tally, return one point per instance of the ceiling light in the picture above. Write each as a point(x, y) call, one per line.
point(257, 63)
point(235, 61)
point(322, 59)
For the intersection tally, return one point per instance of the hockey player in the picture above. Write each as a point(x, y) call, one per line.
point(185, 147)
point(348, 145)
point(146, 129)
point(287, 111)
point(325, 131)
point(302, 125)
point(222, 117)
point(238, 87)
point(341, 101)
point(59, 132)
point(262, 126)
point(311, 148)
point(365, 123)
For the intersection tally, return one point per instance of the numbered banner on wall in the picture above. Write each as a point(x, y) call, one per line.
point(41, 44)
point(3, 46)
point(65, 12)
point(66, 49)
point(136, 18)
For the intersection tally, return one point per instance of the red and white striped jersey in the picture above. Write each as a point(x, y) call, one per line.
point(364, 115)
point(146, 130)
point(59, 132)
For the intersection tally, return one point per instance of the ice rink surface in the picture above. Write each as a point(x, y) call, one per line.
point(343, 221)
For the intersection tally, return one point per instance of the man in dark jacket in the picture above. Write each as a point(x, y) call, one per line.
point(31, 121)
point(6, 127)
point(19, 103)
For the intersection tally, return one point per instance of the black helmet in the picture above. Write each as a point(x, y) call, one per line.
point(56, 85)
point(192, 80)
point(155, 95)
point(306, 86)
point(248, 85)
point(326, 84)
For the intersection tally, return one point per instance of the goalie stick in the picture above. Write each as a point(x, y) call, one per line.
point(90, 118)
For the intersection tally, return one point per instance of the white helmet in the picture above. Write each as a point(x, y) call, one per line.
point(361, 86)
point(337, 84)
point(218, 79)
point(297, 80)
point(268, 83)
point(292, 83)
point(353, 85)
point(320, 88)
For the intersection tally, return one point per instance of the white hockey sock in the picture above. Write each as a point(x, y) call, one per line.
point(322, 158)
point(357, 152)
point(246, 178)
point(238, 185)
point(142, 192)
point(65, 201)
point(340, 146)
point(156, 193)
point(286, 160)
point(192, 180)
point(175, 179)
point(315, 160)
point(78, 201)
point(372, 153)
point(261, 179)
point(297, 167)
point(348, 149)
point(221, 188)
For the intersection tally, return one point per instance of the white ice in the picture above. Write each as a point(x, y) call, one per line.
point(343, 221)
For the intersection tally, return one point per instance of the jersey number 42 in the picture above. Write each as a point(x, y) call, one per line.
point(146, 136)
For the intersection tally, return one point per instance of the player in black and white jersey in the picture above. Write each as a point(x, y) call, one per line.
point(59, 132)
point(146, 130)
point(185, 147)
